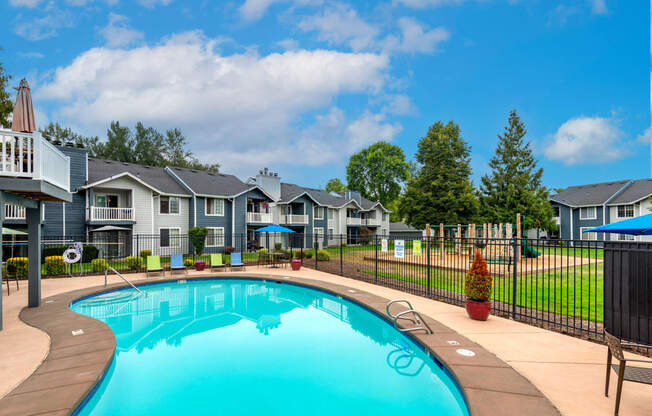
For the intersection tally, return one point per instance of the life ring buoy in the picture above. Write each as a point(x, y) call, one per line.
point(72, 255)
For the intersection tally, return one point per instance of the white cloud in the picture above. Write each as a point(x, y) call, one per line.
point(118, 33)
point(586, 140)
point(153, 3)
point(422, 4)
point(400, 105)
point(25, 3)
point(645, 137)
point(341, 24)
point(232, 108)
point(252, 10)
point(599, 7)
point(288, 44)
point(415, 38)
point(31, 55)
point(43, 27)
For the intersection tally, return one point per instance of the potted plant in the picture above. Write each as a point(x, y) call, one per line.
point(477, 288)
point(198, 240)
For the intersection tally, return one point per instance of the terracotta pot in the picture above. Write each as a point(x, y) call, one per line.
point(478, 310)
point(200, 265)
point(296, 264)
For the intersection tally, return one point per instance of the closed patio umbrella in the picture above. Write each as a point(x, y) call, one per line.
point(23, 117)
point(634, 226)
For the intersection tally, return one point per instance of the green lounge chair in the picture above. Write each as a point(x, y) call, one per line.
point(154, 265)
point(216, 262)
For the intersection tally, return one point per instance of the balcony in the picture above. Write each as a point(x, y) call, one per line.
point(259, 217)
point(30, 156)
point(14, 212)
point(112, 214)
point(353, 221)
point(294, 219)
point(374, 222)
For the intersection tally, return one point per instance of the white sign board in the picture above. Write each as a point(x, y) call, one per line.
point(399, 249)
point(416, 247)
point(383, 245)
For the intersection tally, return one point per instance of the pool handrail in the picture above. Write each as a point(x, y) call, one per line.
point(106, 277)
point(416, 318)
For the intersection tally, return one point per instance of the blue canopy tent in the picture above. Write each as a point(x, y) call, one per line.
point(634, 226)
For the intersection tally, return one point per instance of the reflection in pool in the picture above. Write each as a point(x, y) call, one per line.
point(248, 347)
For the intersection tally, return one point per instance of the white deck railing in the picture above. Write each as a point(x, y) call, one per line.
point(373, 221)
point(112, 214)
point(353, 221)
point(28, 155)
point(294, 219)
point(14, 212)
point(259, 217)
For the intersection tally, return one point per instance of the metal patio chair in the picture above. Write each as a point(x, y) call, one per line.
point(10, 272)
point(625, 373)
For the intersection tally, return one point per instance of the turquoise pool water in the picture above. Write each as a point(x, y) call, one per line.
point(249, 347)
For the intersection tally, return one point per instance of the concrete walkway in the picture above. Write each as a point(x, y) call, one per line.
point(569, 371)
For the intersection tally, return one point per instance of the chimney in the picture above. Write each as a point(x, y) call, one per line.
point(270, 182)
point(355, 195)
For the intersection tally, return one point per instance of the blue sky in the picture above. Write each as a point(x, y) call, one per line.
point(299, 85)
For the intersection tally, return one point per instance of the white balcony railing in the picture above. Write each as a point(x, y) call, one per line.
point(259, 217)
point(294, 219)
point(112, 214)
point(353, 221)
point(28, 155)
point(14, 212)
point(373, 221)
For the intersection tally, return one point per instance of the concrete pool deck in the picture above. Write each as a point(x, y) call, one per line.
point(568, 371)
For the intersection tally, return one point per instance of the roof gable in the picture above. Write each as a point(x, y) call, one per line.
point(156, 178)
point(589, 195)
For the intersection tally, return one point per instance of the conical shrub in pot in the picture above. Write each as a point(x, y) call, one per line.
point(477, 288)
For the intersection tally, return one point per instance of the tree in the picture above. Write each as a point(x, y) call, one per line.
point(378, 172)
point(514, 183)
point(441, 190)
point(6, 105)
point(335, 185)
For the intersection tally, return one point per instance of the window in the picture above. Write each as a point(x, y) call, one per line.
point(319, 213)
point(331, 233)
point(625, 211)
point(215, 237)
point(170, 237)
point(106, 201)
point(588, 236)
point(555, 211)
point(169, 205)
point(319, 233)
point(385, 215)
point(214, 206)
point(587, 213)
point(626, 237)
point(331, 214)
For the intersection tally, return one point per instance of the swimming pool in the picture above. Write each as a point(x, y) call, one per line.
point(249, 347)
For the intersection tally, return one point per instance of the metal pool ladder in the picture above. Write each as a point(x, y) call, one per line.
point(409, 315)
point(106, 275)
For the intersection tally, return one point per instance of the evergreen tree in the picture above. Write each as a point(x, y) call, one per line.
point(441, 190)
point(514, 184)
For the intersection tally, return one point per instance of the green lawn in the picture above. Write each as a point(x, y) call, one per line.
point(576, 291)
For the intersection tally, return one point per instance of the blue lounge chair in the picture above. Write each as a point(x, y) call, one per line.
point(236, 261)
point(176, 263)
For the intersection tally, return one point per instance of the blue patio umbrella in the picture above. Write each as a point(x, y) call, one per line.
point(274, 229)
point(635, 226)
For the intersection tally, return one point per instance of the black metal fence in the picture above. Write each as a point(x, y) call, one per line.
point(556, 284)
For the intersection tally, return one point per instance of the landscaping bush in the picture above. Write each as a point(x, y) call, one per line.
point(343, 244)
point(307, 254)
point(50, 251)
point(54, 266)
point(134, 263)
point(145, 253)
point(478, 281)
point(278, 246)
point(89, 254)
point(263, 250)
point(198, 239)
point(322, 255)
point(188, 262)
point(226, 258)
point(99, 265)
point(17, 265)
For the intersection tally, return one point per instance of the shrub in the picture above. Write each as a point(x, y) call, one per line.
point(145, 253)
point(478, 281)
point(229, 250)
point(226, 258)
point(343, 244)
point(54, 265)
point(99, 265)
point(263, 250)
point(50, 251)
point(198, 239)
point(17, 265)
point(188, 262)
point(134, 263)
point(307, 254)
point(89, 254)
point(278, 246)
point(322, 255)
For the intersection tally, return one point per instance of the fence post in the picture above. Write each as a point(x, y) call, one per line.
point(316, 246)
point(341, 261)
point(301, 255)
point(376, 249)
point(428, 258)
point(517, 246)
